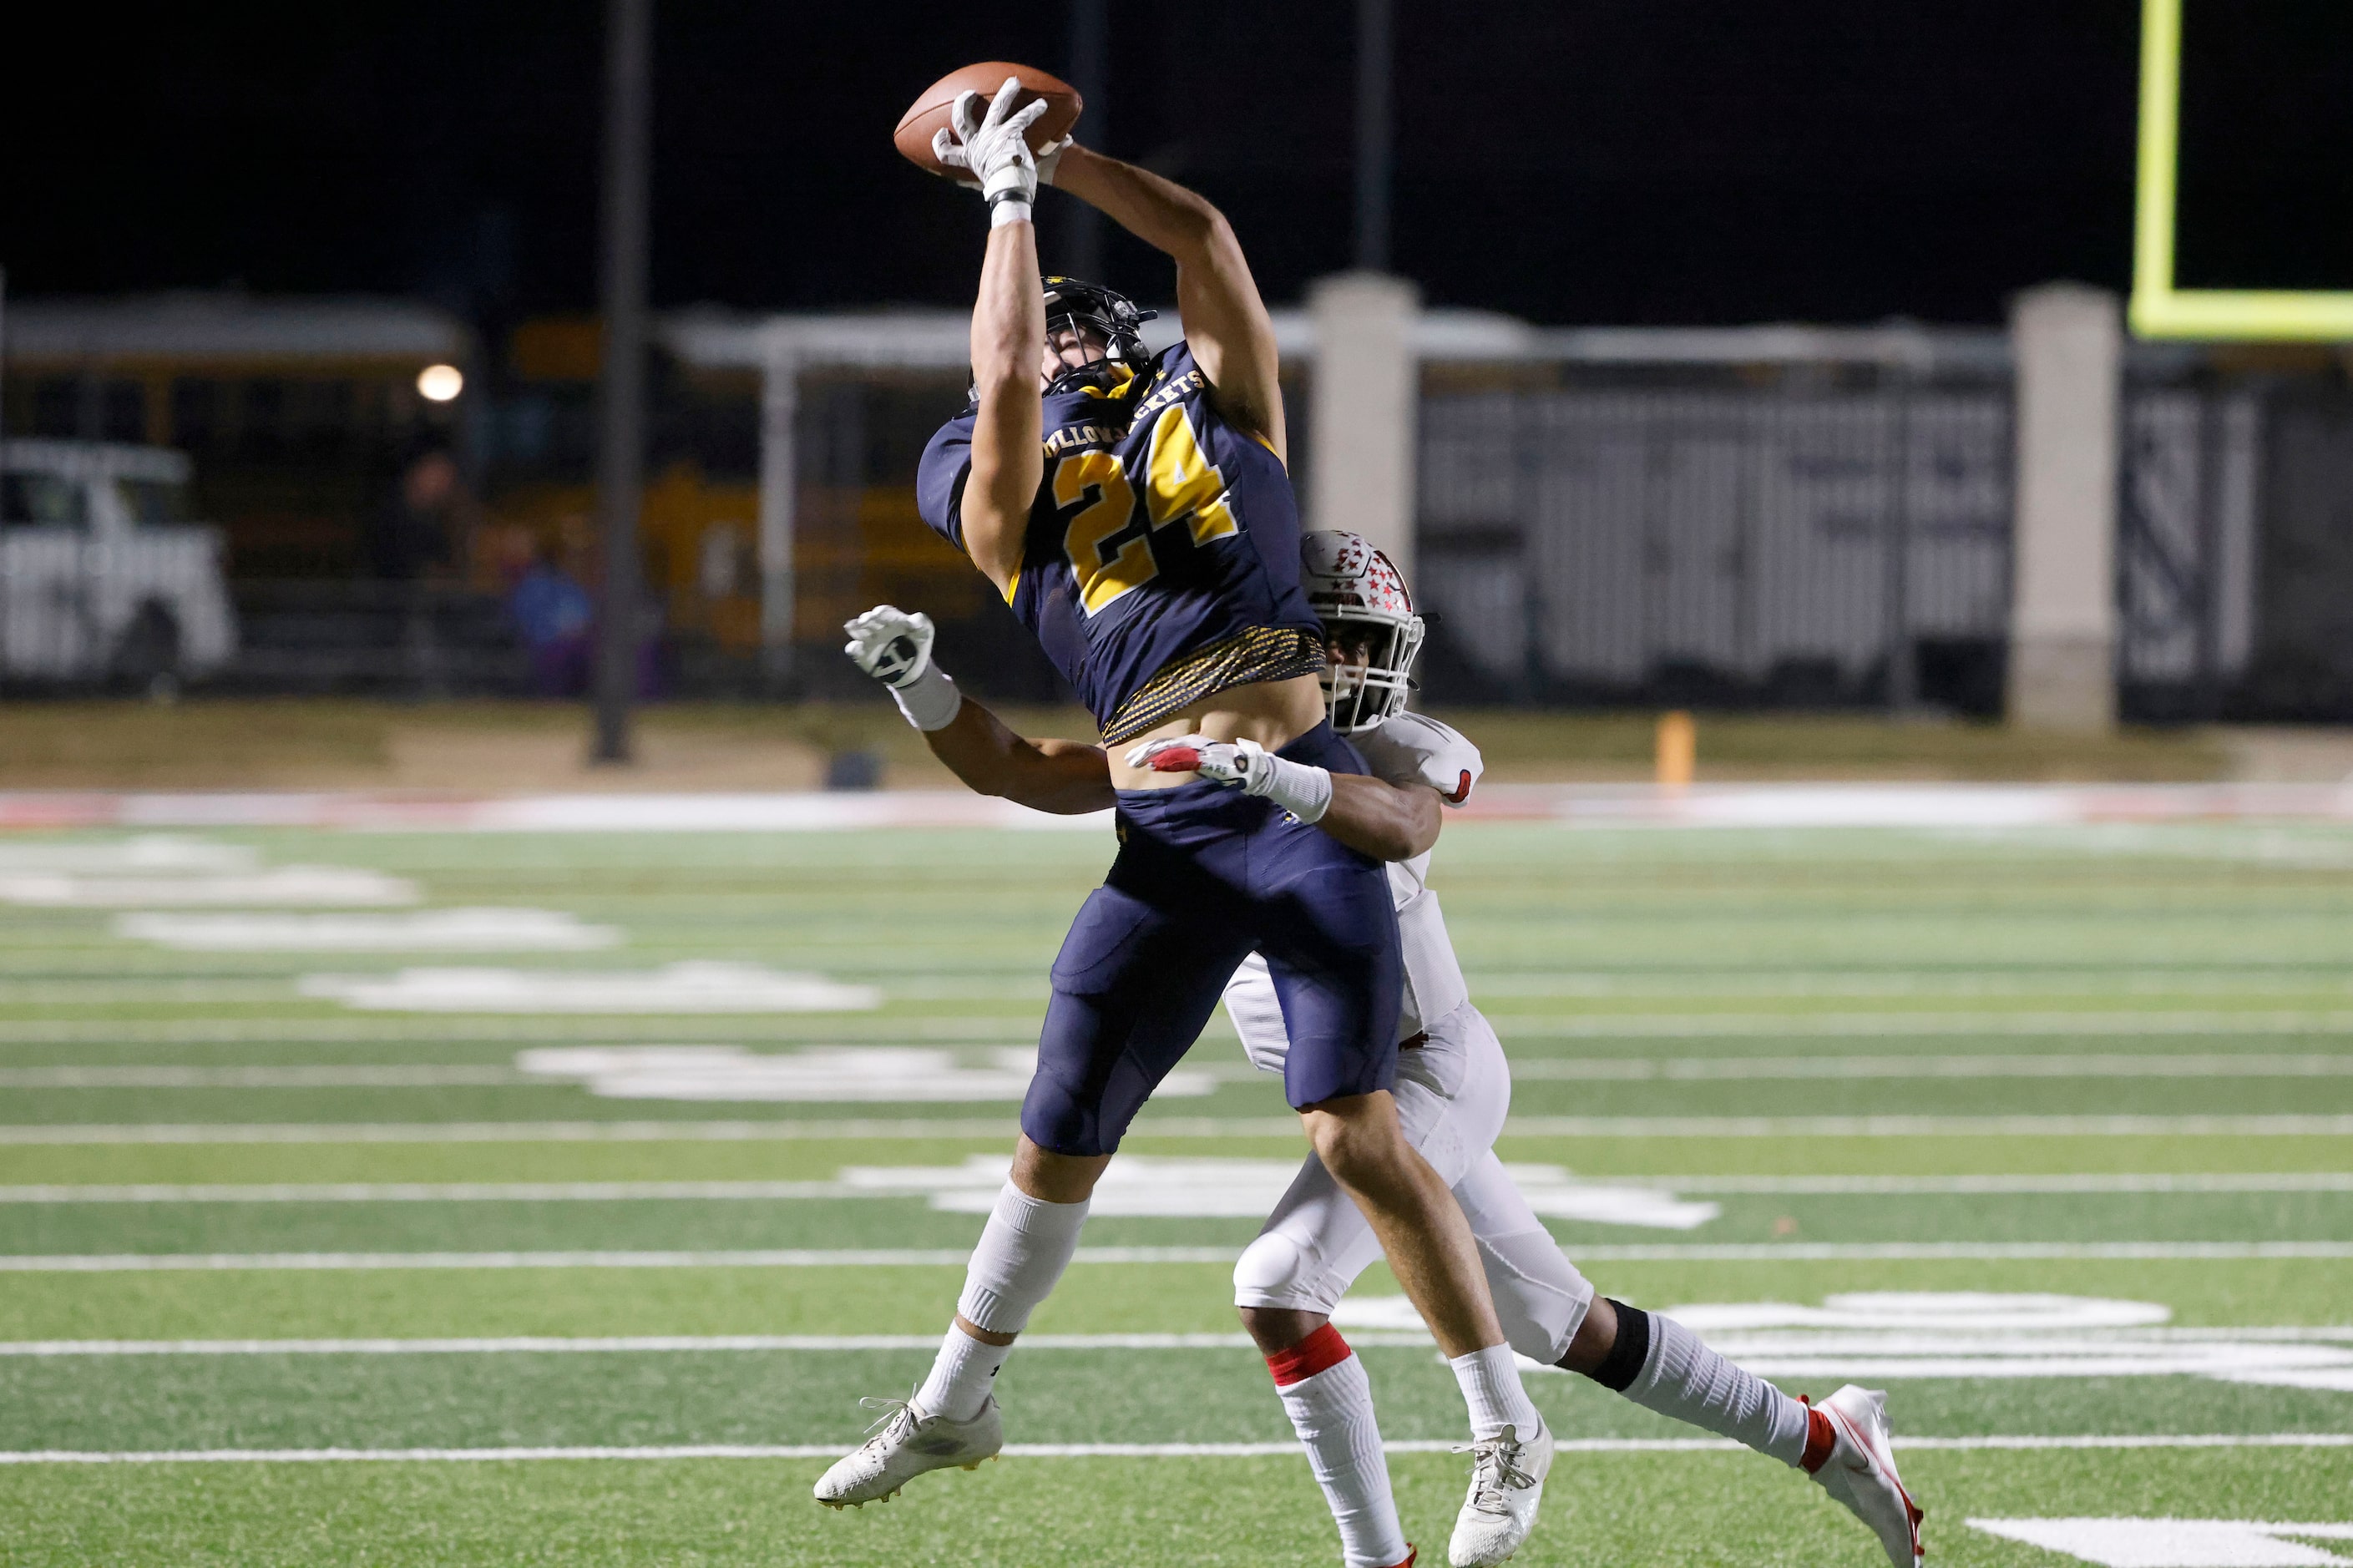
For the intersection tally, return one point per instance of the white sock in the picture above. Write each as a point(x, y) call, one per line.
point(1331, 1411)
point(1682, 1378)
point(1022, 1251)
point(1491, 1387)
point(961, 1376)
point(1021, 1254)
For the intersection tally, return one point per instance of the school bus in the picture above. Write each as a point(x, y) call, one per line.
point(296, 412)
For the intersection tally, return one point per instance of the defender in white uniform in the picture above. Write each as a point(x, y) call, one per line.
point(1453, 1090)
point(1453, 1093)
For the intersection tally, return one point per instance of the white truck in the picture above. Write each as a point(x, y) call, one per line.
point(102, 575)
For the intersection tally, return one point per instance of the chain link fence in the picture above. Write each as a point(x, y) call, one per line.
point(1766, 540)
point(1772, 518)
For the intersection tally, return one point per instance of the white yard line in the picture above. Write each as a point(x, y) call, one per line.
point(1942, 1021)
point(2085, 982)
point(650, 1344)
point(2094, 1184)
point(1575, 1069)
point(692, 1132)
point(468, 930)
point(271, 887)
point(115, 990)
point(441, 1192)
point(1920, 1127)
point(849, 1128)
point(2009, 1251)
point(2028, 1443)
point(984, 1028)
point(642, 1344)
point(846, 1258)
point(777, 1029)
point(687, 986)
point(398, 1076)
point(1641, 1069)
point(772, 1257)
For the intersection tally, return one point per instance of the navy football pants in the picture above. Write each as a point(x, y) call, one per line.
point(1206, 874)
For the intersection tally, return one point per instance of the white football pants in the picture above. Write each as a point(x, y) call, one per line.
point(1316, 1242)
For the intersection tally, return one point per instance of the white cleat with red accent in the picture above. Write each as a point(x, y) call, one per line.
point(1507, 1480)
point(908, 1444)
point(1861, 1472)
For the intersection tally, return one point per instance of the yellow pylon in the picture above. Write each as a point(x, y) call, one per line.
point(1678, 749)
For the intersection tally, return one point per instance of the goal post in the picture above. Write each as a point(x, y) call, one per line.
point(2158, 310)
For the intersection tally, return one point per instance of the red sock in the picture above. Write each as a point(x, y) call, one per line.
point(1318, 1351)
point(1820, 1438)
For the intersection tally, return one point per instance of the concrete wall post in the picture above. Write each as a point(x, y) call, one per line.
point(2069, 345)
point(779, 484)
point(1366, 393)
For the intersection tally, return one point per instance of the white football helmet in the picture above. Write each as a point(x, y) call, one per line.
point(1368, 614)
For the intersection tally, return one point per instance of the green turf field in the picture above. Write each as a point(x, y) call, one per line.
point(323, 1239)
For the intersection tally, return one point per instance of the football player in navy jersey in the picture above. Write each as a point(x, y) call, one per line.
point(1453, 1090)
point(1134, 512)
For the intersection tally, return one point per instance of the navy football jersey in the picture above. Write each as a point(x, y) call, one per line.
point(1159, 531)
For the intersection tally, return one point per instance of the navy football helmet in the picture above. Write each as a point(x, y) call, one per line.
point(1073, 305)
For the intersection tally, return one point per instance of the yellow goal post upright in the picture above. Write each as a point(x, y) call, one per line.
point(2158, 309)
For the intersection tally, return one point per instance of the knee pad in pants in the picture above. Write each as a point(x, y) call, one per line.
point(1276, 1271)
point(1540, 1298)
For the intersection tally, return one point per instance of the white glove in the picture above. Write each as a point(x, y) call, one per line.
point(1303, 790)
point(993, 150)
point(895, 648)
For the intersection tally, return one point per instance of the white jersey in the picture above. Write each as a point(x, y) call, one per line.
point(1404, 749)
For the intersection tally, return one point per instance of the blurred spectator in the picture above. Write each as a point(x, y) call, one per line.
point(416, 528)
point(556, 618)
point(415, 538)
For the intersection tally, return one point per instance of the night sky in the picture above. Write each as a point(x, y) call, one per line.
point(1606, 160)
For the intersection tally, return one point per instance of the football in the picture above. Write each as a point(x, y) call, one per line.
point(931, 109)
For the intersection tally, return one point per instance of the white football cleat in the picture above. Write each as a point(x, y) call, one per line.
point(909, 1444)
point(1861, 1472)
point(1507, 1478)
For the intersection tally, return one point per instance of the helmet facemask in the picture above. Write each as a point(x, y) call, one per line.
point(1371, 634)
point(1368, 669)
point(1109, 317)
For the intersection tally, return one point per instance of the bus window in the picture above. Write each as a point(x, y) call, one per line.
point(323, 417)
point(56, 405)
point(39, 500)
point(153, 503)
point(195, 412)
point(262, 428)
point(122, 412)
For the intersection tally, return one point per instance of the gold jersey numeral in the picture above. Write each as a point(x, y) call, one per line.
point(1184, 483)
point(1094, 484)
point(1108, 544)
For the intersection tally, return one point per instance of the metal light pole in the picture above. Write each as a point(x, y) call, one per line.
point(1376, 51)
point(1091, 74)
point(622, 412)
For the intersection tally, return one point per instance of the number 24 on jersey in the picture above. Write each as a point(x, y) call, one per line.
point(1108, 535)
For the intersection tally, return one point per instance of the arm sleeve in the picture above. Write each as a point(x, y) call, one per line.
point(939, 478)
point(1411, 749)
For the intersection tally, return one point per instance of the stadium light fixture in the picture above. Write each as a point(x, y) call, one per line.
point(2158, 309)
point(440, 383)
